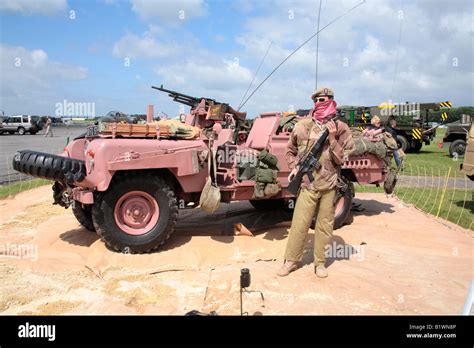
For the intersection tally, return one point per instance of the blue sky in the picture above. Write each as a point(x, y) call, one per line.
point(216, 48)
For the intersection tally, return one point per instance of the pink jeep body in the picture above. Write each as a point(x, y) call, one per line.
point(105, 156)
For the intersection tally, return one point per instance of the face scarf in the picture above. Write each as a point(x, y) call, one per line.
point(324, 109)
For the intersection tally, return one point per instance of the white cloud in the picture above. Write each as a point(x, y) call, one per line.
point(170, 11)
point(30, 7)
point(357, 57)
point(224, 75)
point(145, 46)
point(367, 40)
point(30, 78)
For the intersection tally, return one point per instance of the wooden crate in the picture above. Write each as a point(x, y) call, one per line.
point(160, 129)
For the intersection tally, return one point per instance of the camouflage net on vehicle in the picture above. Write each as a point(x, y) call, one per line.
point(364, 146)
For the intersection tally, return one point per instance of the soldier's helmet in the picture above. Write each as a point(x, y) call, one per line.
point(322, 92)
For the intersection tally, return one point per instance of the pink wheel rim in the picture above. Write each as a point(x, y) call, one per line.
point(136, 212)
point(339, 206)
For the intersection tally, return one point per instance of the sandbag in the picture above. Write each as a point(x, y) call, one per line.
point(271, 190)
point(211, 195)
point(259, 191)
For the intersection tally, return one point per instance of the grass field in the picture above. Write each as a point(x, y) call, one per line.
point(453, 204)
point(13, 189)
point(433, 157)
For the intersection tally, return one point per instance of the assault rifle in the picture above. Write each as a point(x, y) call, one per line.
point(309, 162)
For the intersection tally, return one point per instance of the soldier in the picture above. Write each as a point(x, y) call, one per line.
point(318, 196)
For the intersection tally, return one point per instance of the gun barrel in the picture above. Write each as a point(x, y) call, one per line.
point(184, 98)
point(174, 93)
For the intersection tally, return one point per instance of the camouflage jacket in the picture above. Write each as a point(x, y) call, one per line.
point(305, 133)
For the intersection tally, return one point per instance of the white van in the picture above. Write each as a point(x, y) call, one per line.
point(21, 124)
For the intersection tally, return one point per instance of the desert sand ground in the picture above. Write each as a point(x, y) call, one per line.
point(398, 260)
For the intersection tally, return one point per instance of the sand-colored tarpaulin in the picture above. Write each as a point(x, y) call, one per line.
point(393, 259)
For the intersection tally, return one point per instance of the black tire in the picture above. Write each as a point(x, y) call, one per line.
point(48, 166)
point(403, 143)
point(115, 237)
point(342, 215)
point(457, 146)
point(417, 146)
point(83, 214)
point(21, 130)
point(271, 204)
point(1, 132)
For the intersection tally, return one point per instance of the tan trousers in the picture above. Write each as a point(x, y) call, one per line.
point(307, 204)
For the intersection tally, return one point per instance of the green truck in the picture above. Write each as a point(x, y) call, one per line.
point(456, 136)
point(467, 167)
point(413, 126)
point(413, 120)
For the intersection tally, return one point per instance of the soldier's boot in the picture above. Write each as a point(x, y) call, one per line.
point(287, 268)
point(321, 271)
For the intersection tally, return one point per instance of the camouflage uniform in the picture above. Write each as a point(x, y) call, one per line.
point(317, 196)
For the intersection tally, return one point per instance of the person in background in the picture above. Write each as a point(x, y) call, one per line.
point(392, 124)
point(374, 129)
point(49, 128)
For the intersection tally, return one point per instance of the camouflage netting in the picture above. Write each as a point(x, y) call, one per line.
point(364, 146)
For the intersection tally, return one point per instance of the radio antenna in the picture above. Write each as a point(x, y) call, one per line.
point(297, 49)
point(254, 76)
point(317, 46)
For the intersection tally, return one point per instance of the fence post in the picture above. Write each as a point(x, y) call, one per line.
point(444, 191)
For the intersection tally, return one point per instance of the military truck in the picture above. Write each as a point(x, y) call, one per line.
point(456, 136)
point(413, 128)
point(468, 166)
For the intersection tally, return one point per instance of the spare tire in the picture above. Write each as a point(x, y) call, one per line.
point(48, 166)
